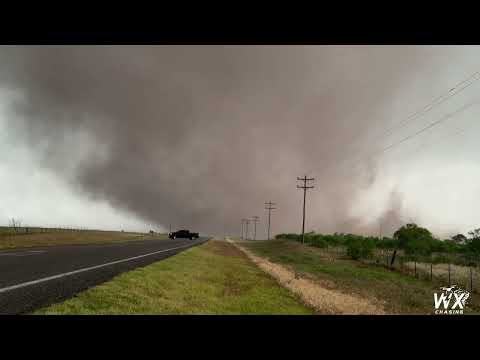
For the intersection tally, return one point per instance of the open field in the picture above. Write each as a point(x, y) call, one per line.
point(214, 278)
point(9, 240)
point(399, 293)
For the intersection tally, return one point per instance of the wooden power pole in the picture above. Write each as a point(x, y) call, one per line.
point(269, 206)
point(255, 220)
point(304, 187)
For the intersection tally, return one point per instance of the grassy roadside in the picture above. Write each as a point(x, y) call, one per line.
point(401, 294)
point(71, 238)
point(214, 278)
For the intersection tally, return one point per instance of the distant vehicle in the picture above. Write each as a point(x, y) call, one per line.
point(183, 234)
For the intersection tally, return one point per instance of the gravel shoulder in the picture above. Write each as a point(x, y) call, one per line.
point(312, 293)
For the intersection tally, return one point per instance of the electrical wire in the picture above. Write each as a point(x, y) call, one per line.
point(456, 89)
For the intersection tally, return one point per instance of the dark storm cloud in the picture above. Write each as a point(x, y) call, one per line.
point(203, 135)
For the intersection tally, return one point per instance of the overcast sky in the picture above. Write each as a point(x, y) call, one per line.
point(138, 137)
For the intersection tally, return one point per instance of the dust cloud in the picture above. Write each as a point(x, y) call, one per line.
point(201, 136)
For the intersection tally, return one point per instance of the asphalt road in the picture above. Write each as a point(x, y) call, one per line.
point(35, 277)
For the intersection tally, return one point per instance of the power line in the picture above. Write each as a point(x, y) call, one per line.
point(255, 220)
point(456, 132)
point(431, 125)
point(269, 206)
point(419, 132)
point(437, 101)
point(244, 221)
point(304, 187)
point(456, 89)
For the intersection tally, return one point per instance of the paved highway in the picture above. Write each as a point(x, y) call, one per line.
point(35, 277)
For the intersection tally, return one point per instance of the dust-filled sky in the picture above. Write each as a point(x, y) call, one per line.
point(140, 137)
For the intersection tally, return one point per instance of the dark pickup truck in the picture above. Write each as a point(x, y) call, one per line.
point(183, 234)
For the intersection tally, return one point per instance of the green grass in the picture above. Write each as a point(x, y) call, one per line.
point(214, 278)
point(401, 293)
point(50, 238)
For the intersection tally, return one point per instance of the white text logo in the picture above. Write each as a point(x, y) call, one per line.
point(451, 301)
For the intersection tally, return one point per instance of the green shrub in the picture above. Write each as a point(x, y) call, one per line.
point(318, 240)
point(360, 248)
point(418, 245)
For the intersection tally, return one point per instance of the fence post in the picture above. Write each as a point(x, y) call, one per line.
point(415, 269)
point(449, 282)
point(431, 271)
point(471, 279)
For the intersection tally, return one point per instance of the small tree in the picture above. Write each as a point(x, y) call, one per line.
point(473, 243)
point(15, 224)
point(414, 239)
point(358, 248)
point(474, 234)
point(459, 239)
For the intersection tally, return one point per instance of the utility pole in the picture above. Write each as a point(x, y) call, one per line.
point(304, 187)
point(269, 207)
point(380, 234)
point(255, 220)
point(246, 237)
point(246, 234)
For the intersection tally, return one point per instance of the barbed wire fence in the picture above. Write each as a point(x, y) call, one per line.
point(439, 268)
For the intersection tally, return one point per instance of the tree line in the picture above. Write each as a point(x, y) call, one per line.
point(413, 240)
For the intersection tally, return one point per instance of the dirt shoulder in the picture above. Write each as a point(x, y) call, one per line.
point(322, 299)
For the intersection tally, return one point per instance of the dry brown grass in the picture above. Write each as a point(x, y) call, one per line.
point(70, 238)
point(224, 248)
point(322, 299)
point(459, 275)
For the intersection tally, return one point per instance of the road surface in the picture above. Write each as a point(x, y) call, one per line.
point(35, 277)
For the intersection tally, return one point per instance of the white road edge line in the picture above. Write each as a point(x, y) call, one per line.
point(29, 283)
point(23, 253)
